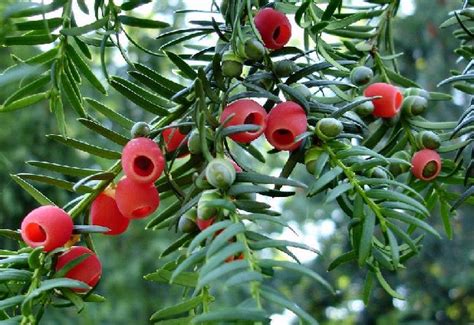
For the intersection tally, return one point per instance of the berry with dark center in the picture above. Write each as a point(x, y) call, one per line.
point(285, 122)
point(245, 111)
point(426, 164)
point(274, 28)
point(47, 226)
point(142, 160)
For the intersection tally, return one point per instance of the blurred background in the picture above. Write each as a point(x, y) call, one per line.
point(438, 284)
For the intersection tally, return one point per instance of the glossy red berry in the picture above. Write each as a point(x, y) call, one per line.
point(88, 270)
point(285, 122)
point(204, 223)
point(389, 104)
point(426, 164)
point(136, 200)
point(274, 28)
point(47, 226)
point(142, 160)
point(173, 139)
point(246, 111)
point(105, 213)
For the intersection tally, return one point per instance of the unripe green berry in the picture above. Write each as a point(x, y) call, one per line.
point(204, 212)
point(428, 140)
point(194, 143)
point(328, 128)
point(399, 168)
point(140, 129)
point(302, 90)
point(361, 76)
point(311, 157)
point(231, 65)
point(220, 173)
point(284, 68)
point(187, 222)
point(416, 92)
point(254, 49)
point(414, 105)
point(364, 109)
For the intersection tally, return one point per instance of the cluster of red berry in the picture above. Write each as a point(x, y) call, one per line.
point(426, 163)
point(135, 196)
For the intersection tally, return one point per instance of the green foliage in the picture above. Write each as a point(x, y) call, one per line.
point(384, 212)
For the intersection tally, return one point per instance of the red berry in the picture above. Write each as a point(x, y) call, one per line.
point(88, 270)
point(142, 160)
point(389, 104)
point(426, 164)
point(105, 213)
point(285, 122)
point(274, 27)
point(174, 139)
point(246, 111)
point(136, 200)
point(203, 224)
point(47, 226)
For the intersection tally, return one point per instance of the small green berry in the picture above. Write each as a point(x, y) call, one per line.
point(284, 68)
point(428, 140)
point(140, 129)
point(328, 128)
point(414, 105)
point(220, 173)
point(361, 76)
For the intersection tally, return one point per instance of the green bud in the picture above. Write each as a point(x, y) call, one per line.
point(428, 140)
point(398, 168)
point(302, 90)
point(416, 92)
point(364, 109)
point(361, 76)
point(328, 128)
point(284, 68)
point(187, 222)
point(414, 105)
point(311, 157)
point(254, 49)
point(204, 212)
point(140, 129)
point(220, 173)
point(231, 65)
point(194, 143)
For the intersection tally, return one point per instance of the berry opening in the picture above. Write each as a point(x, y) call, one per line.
point(35, 233)
point(280, 34)
point(141, 212)
point(430, 169)
point(143, 166)
point(283, 136)
point(254, 118)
